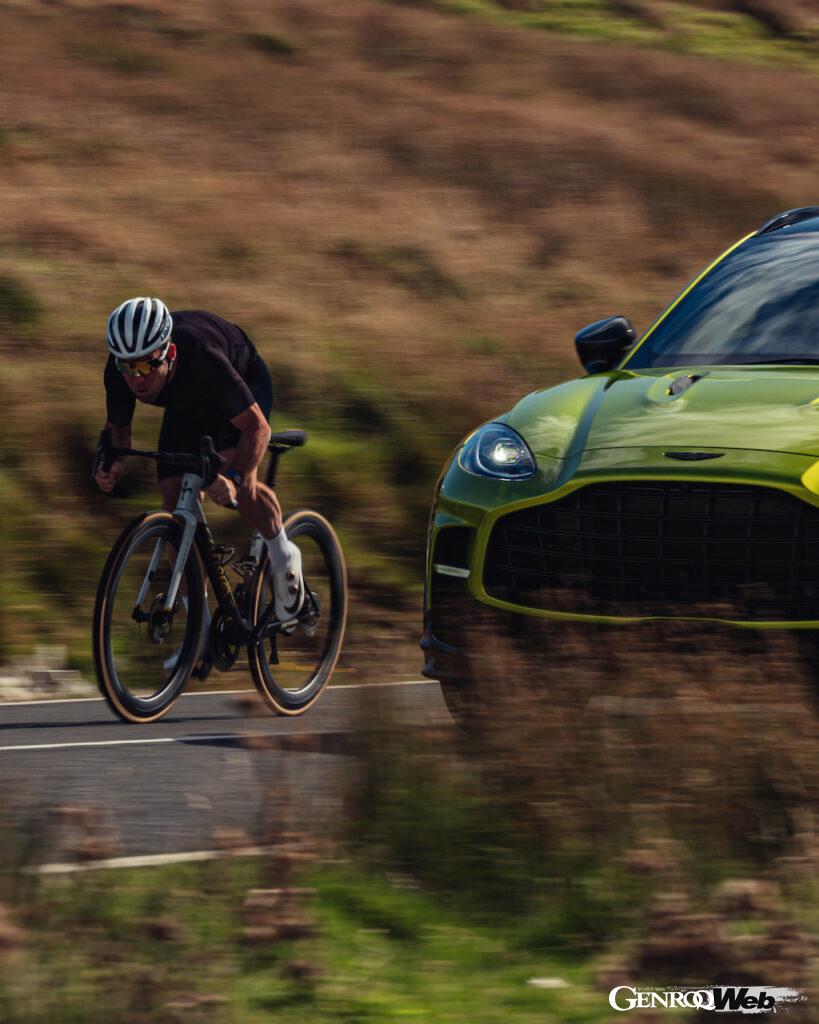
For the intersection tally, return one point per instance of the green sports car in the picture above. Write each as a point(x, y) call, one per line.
point(678, 478)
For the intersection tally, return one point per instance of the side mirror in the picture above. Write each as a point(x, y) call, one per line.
point(603, 344)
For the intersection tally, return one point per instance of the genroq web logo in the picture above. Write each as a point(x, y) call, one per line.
point(719, 999)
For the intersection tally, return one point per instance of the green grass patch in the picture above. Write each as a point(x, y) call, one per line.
point(681, 27)
point(169, 944)
point(147, 945)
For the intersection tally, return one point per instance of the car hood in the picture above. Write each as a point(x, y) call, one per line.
point(760, 408)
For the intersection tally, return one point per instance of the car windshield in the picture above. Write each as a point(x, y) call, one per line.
point(759, 305)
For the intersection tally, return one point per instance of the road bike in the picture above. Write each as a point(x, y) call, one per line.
point(150, 611)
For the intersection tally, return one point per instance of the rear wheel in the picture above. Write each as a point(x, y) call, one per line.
point(291, 669)
point(134, 637)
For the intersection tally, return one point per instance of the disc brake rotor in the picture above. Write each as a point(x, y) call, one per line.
point(160, 622)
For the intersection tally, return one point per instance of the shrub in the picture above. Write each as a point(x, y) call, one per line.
point(19, 306)
point(272, 45)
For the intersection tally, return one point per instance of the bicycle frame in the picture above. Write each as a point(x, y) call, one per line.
point(196, 530)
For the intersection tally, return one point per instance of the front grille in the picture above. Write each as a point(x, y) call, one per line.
point(656, 548)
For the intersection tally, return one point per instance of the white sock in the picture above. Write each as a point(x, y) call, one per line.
point(278, 550)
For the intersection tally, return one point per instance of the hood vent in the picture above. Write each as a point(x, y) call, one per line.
point(682, 384)
point(693, 456)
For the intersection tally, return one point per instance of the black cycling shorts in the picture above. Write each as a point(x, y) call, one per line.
point(182, 428)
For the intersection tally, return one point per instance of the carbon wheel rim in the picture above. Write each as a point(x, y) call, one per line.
point(135, 652)
point(305, 662)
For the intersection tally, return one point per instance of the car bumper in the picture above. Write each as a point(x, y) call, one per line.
point(475, 504)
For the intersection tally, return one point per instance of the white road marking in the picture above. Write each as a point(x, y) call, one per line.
point(46, 703)
point(378, 686)
point(209, 693)
point(191, 738)
point(151, 860)
point(187, 737)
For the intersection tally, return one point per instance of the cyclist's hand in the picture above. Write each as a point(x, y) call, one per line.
point(108, 481)
point(223, 492)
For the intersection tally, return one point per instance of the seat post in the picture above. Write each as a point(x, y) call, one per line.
point(277, 445)
point(272, 467)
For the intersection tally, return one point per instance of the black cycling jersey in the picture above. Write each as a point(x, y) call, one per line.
point(219, 374)
point(215, 360)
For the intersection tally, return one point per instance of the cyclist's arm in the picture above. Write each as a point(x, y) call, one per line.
point(120, 404)
point(120, 436)
point(253, 442)
point(119, 400)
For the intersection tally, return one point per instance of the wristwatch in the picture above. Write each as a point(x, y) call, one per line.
point(235, 476)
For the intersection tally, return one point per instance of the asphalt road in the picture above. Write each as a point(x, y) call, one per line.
point(218, 761)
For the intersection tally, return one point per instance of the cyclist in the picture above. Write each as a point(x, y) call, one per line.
point(207, 375)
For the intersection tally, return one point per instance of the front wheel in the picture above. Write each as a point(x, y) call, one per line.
point(291, 669)
point(144, 655)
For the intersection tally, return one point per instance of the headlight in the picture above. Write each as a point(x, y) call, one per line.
point(497, 451)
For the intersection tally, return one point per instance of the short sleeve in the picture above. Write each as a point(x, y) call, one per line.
point(119, 399)
point(228, 390)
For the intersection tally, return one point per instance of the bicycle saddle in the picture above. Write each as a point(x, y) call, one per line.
point(288, 439)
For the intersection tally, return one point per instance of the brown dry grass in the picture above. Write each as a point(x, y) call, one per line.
point(652, 793)
point(679, 731)
point(497, 189)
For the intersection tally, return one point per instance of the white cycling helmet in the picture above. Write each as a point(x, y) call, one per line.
point(137, 327)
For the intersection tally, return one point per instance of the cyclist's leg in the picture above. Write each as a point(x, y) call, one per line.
point(259, 506)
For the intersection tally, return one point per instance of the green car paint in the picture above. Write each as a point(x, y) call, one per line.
point(724, 409)
point(761, 420)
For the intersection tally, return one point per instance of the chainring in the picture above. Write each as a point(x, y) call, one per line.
point(223, 649)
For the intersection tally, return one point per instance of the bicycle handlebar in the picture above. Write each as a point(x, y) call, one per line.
point(206, 464)
point(104, 458)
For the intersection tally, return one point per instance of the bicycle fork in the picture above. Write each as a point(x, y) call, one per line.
point(189, 511)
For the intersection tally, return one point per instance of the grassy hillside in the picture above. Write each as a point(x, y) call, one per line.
point(410, 211)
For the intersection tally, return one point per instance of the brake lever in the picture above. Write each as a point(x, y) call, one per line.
point(104, 459)
point(99, 454)
point(214, 460)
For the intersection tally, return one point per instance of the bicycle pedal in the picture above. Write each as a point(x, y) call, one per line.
point(310, 622)
point(273, 659)
point(245, 567)
point(310, 626)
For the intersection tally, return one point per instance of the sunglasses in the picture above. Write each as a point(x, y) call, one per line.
point(141, 367)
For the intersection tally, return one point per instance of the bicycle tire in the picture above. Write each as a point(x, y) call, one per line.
point(295, 701)
point(146, 528)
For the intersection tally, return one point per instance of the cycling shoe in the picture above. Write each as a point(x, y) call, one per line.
point(288, 588)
